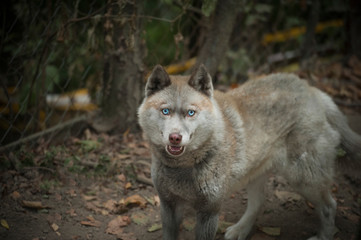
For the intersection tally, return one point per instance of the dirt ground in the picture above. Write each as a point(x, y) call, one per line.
point(96, 187)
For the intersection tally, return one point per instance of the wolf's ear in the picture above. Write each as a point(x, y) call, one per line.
point(201, 81)
point(157, 80)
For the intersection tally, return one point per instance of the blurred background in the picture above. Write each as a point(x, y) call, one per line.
point(67, 66)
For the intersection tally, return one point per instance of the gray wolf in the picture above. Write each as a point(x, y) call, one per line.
point(203, 142)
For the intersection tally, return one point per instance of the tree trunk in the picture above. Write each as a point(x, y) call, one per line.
point(123, 68)
point(216, 43)
point(354, 28)
point(308, 48)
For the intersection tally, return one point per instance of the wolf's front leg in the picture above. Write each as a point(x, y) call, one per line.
point(207, 224)
point(171, 215)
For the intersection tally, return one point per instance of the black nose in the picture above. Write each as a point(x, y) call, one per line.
point(175, 138)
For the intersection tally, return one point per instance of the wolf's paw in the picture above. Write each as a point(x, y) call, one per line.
point(235, 232)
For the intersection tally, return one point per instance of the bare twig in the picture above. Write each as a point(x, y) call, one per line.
point(45, 132)
point(41, 168)
point(347, 104)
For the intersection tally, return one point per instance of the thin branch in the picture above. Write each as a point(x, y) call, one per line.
point(187, 8)
point(40, 134)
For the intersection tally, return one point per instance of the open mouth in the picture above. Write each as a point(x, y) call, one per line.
point(175, 150)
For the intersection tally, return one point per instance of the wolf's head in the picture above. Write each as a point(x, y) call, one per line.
point(178, 114)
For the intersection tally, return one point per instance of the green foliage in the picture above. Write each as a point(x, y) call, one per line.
point(4, 163)
point(160, 30)
point(25, 157)
point(89, 145)
point(47, 185)
point(256, 13)
point(208, 7)
point(50, 55)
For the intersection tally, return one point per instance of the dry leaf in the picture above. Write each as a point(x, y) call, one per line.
point(72, 193)
point(115, 225)
point(58, 197)
point(93, 206)
point(71, 212)
point(15, 195)
point(122, 156)
point(135, 200)
point(261, 236)
point(5, 224)
point(223, 225)
point(33, 204)
point(110, 205)
point(272, 231)
point(55, 227)
point(155, 227)
point(89, 198)
point(287, 196)
point(310, 205)
point(157, 200)
point(139, 219)
point(189, 224)
point(128, 185)
point(92, 222)
point(126, 236)
point(121, 177)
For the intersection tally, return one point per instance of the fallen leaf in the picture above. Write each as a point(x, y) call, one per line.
point(135, 200)
point(155, 227)
point(150, 200)
point(54, 218)
point(121, 177)
point(156, 200)
point(72, 193)
point(71, 212)
point(92, 222)
point(5, 224)
point(33, 204)
point(58, 197)
point(115, 225)
point(261, 236)
point(93, 206)
point(126, 236)
point(139, 219)
point(287, 196)
point(128, 185)
point(55, 227)
point(272, 231)
point(223, 225)
point(89, 198)
point(310, 205)
point(15, 195)
point(189, 224)
point(122, 156)
point(110, 205)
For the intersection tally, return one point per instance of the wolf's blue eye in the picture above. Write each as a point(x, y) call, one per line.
point(165, 111)
point(191, 113)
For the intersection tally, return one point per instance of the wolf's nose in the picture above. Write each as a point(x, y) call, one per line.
point(175, 138)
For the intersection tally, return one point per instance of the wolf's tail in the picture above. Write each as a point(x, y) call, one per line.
point(350, 141)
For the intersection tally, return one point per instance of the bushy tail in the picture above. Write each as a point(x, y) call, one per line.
point(350, 141)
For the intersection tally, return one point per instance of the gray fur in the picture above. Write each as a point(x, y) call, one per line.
point(278, 122)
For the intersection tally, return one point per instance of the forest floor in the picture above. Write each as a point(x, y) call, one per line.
point(96, 186)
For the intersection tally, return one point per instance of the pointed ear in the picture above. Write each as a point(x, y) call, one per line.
point(157, 80)
point(201, 81)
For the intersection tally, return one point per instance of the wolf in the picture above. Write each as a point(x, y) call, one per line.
point(204, 142)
